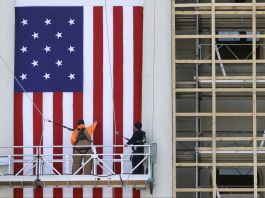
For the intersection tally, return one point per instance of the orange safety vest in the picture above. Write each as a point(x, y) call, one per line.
point(90, 130)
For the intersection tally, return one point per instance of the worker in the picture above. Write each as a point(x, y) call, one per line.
point(138, 138)
point(82, 135)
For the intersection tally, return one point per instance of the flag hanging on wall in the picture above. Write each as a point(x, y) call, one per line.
point(76, 59)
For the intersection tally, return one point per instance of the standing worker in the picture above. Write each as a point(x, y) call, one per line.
point(82, 135)
point(138, 138)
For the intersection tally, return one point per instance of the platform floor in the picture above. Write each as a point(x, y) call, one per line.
point(139, 181)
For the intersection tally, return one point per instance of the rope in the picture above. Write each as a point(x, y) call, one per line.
point(111, 76)
point(25, 91)
point(21, 86)
point(110, 67)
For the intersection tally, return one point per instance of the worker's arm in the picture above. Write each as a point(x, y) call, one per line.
point(92, 128)
point(132, 140)
point(74, 137)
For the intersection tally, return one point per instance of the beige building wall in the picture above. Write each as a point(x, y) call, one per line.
point(7, 18)
point(157, 104)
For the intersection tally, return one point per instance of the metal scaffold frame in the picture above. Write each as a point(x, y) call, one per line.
point(252, 86)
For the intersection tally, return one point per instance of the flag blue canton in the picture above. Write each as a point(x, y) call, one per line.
point(49, 49)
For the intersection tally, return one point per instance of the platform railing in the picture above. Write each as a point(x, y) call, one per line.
point(43, 163)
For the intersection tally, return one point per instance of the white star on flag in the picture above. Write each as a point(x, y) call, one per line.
point(47, 49)
point(46, 76)
point(35, 35)
point(23, 76)
point(71, 76)
point(71, 49)
point(71, 21)
point(24, 49)
point(48, 22)
point(35, 63)
point(59, 35)
point(24, 22)
point(59, 63)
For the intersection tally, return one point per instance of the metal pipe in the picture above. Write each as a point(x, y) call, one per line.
point(9, 164)
point(197, 56)
point(67, 164)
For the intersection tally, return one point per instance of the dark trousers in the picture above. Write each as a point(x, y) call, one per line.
point(136, 159)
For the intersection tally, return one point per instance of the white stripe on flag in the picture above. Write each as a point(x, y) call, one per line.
point(28, 136)
point(67, 121)
point(47, 137)
point(107, 88)
point(128, 83)
point(88, 75)
point(88, 66)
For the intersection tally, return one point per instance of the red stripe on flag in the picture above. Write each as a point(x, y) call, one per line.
point(37, 131)
point(58, 135)
point(98, 83)
point(18, 137)
point(118, 85)
point(77, 114)
point(137, 65)
point(137, 51)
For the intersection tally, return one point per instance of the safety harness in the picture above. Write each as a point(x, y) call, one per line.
point(82, 136)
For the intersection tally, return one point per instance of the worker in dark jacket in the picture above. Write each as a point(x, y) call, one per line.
point(138, 138)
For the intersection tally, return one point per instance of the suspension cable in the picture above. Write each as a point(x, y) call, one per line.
point(153, 83)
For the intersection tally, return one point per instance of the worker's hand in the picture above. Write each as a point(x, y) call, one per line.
point(96, 122)
point(125, 145)
point(117, 133)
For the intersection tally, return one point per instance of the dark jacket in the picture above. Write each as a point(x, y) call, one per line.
point(138, 138)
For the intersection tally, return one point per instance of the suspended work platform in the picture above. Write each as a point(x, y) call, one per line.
point(46, 168)
point(138, 181)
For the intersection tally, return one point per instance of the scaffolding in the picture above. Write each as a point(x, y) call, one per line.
point(207, 74)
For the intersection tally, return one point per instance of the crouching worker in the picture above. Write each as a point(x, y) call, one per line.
point(82, 136)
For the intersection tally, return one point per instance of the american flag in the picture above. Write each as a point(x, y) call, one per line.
point(77, 59)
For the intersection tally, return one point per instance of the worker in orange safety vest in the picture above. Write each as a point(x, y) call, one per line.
point(82, 135)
